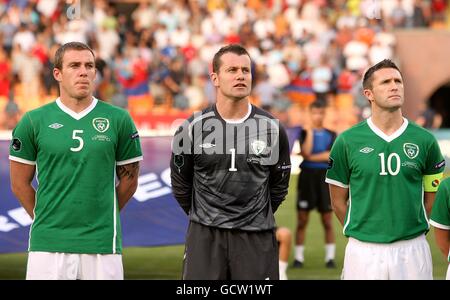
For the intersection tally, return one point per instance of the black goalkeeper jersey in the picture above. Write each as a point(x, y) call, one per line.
point(231, 175)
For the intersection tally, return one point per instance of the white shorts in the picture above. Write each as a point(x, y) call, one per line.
point(408, 259)
point(448, 272)
point(70, 266)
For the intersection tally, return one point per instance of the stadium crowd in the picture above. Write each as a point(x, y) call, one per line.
point(157, 56)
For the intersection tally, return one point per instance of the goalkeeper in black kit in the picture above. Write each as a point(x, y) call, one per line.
point(230, 171)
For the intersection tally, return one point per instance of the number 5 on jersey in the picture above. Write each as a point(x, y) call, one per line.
point(79, 139)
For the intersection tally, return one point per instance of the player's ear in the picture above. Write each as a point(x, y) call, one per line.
point(214, 79)
point(57, 74)
point(368, 94)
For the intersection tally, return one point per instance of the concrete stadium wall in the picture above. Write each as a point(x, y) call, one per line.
point(424, 58)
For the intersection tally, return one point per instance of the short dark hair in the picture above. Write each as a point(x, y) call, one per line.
point(384, 64)
point(233, 48)
point(318, 104)
point(69, 46)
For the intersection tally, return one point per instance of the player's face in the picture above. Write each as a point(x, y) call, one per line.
point(387, 89)
point(77, 75)
point(234, 78)
point(317, 115)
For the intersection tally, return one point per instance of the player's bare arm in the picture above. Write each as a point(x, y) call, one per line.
point(442, 240)
point(307, 145)
point(429, 200)
point(128, 180)
point(339, 198)
point(21, 178)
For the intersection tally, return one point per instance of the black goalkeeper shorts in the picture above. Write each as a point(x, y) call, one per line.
point(226, 254)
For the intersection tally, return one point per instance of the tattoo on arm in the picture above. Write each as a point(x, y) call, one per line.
point(130, 170)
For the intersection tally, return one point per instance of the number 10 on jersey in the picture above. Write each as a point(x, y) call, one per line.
point(389, 164)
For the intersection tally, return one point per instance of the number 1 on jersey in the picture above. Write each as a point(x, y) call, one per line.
point(233, 160)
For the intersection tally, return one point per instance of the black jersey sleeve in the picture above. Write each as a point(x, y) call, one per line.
point(182, 168)
point(280, 172)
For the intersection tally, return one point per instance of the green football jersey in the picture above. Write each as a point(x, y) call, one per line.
point(385, 176)
point(76, 154)
point(440, 214)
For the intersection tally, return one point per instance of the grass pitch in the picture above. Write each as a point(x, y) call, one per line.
point(165, 262)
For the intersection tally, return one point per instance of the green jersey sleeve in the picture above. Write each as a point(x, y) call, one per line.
point(23, 147)
point(440, 214)
point(129, 146)
point(338, 172)
point(435, 162)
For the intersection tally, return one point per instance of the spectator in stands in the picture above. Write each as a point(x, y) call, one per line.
point(322, 77)
point(175, 85)
point(5, 74)
point(419, 18)
point(398, 15)
point(429, 118)
point(12, 114)
point(265, 91)
point(280, 26)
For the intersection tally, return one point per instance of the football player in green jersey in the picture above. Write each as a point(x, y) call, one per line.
point(76, 146)
point(383, 175)
point(440, 219)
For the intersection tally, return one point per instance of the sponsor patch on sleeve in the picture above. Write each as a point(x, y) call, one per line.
point(330, 163)
point(16, 144)
point(284, 167)
point(440, 164)
point(134, 135)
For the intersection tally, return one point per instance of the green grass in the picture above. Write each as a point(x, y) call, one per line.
point(165, 262)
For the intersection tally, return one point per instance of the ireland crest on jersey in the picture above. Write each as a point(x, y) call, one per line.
point(100, 124)
point(411, 150)
point(258, 146)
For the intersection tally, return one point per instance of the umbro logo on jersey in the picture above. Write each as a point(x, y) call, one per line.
point(366, 150)
point(55, 126)
point(207, 145)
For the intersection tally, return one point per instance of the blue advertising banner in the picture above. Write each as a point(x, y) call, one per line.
point(151, 218)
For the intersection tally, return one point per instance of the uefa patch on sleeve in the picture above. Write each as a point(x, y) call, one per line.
point(440, 165)
point(16, 144)
point(134, 135)
point(330, 163)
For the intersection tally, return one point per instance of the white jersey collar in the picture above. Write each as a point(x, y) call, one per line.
point(238, 121)
point(381, 134)
point(81, 114)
